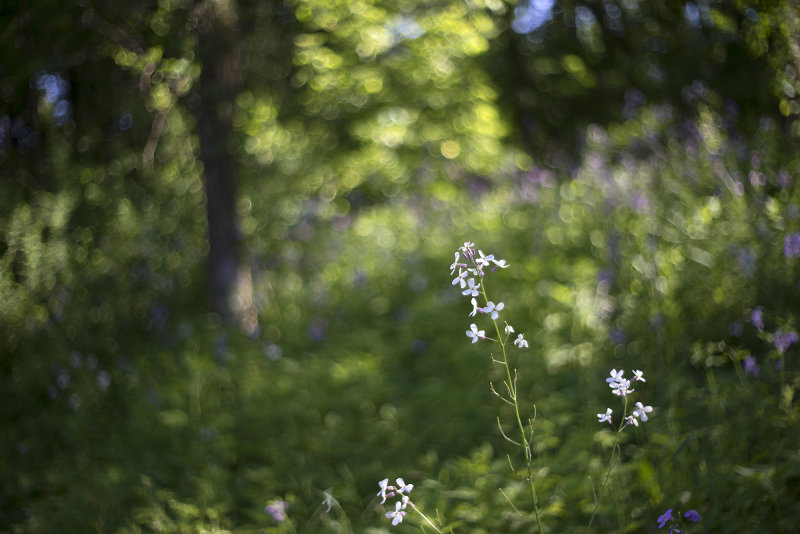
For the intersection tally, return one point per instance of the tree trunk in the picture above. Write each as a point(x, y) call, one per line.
point(229, 283)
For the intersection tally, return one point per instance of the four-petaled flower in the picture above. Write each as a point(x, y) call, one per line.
point(384, 487)
point(603, 417)
point(520, 342)
point(641, 411)
point(638, 375)
point(475, 334)
point(460, 278)
point(509, 329)
point(621, 388)
point(631, 420)
point(403, 487)
point(397, 515)
point(692, 516)
point(500, 263)
point(472, 289)
point(666, 516)
point(492, 309)
point(615, 376)
point(483, 261)
point(455, 264)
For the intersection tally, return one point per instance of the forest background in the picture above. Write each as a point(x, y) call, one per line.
point(225, 232)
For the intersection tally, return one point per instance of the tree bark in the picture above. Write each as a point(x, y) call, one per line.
point(229, 284)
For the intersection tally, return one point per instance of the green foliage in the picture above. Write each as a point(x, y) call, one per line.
point(373, 139)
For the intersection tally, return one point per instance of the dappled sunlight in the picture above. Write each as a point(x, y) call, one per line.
point(224, 245)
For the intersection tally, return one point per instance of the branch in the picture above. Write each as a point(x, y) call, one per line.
point(114, 33)
point(149, 152)
point(507, 438)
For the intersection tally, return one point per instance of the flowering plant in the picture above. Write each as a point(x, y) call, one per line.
point(676, 525)
point(621, 387)
point(472, 266)
point(401, 490)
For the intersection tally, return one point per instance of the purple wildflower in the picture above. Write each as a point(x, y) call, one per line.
point(751, 368)
point(757, 318)
point(791, 245)
point(692, 516)
point(617, 336)
point(784, 179)
point(277, 509)
point(666, 516)
point(784, 339)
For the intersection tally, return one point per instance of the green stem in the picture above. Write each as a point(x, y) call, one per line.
point(512, 388)
point(424, 517)
point(612, 463)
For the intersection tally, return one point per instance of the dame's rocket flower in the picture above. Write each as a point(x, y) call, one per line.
point(475, 334)
point(603, 417)
point(384, 487)
point(492, 309)
point(621, 388)
point(397, 515)
point(500, 263)
point(483, 261)
point(460, 279)
point(472, 288)
point(402, 487)
point(455, 264)
point(641, 411)
point(616, 376)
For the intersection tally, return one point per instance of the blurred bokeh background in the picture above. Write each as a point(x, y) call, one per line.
point(225, 232)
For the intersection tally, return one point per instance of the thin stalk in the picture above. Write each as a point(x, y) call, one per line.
point(424, 517)
point(612, 463)
point(512, 388)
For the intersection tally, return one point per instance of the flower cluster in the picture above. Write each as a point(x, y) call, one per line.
point(781, 339)
point(472, 266)
point(400, 506)
point(622, 387)
point(674, 527)
point(791, 245)
point(784, 339)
